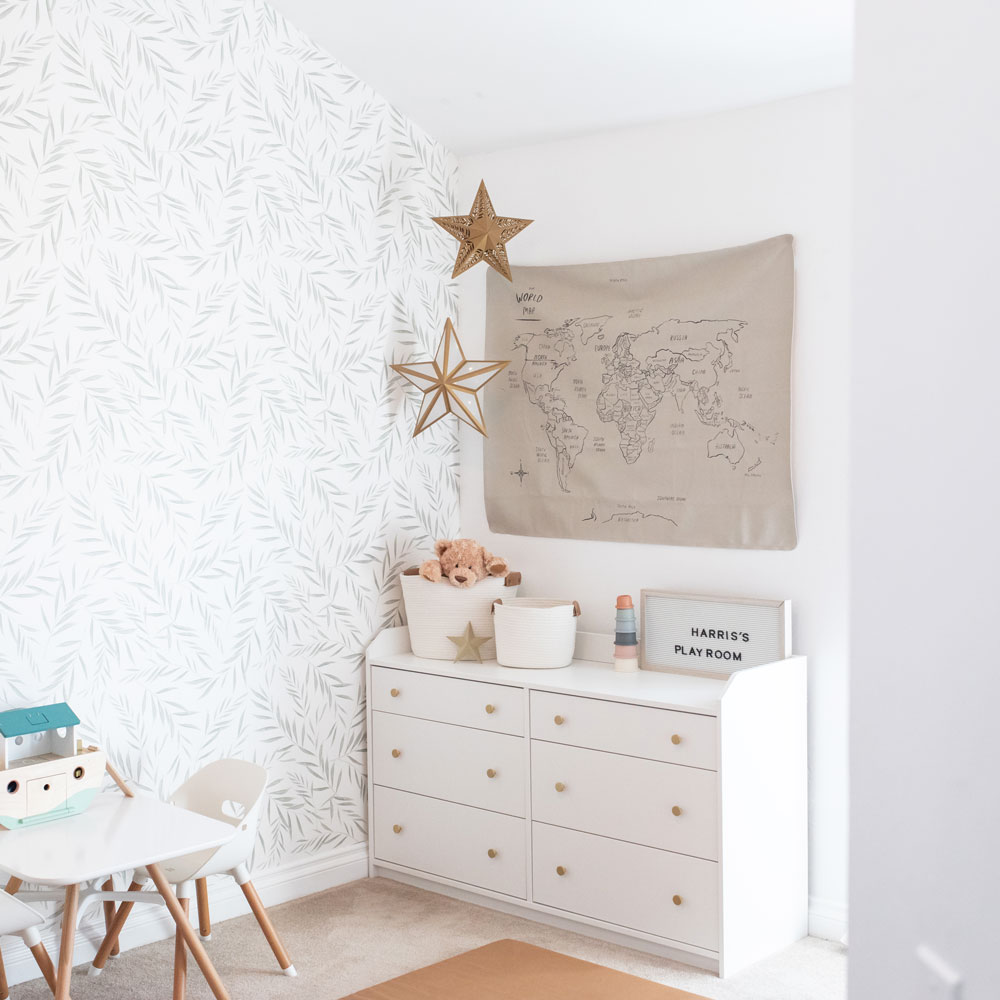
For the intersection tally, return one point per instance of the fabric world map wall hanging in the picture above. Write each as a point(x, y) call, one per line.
point(646, 400)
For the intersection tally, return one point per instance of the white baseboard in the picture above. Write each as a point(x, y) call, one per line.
point(827, 919)
point(152, 923)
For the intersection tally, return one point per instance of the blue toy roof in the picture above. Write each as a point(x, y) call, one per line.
point(25, 721)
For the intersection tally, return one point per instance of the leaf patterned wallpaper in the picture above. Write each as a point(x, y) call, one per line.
point(212, 239)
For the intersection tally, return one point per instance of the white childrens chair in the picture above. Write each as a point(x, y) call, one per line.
point(231, 791)
point(20, 920)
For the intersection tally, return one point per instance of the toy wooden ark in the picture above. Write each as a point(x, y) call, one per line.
point(44, 773)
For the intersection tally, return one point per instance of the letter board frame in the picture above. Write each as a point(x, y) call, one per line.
point(677, 632)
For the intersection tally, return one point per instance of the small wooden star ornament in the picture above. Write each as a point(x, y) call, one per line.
point(450, 383)
point(482, 235)
point(468, 644)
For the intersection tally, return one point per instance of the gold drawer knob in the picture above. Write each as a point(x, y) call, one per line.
point(675, 739)
point(677, 810)
point(394, 692)
point(490, 709)
point(396, 828)
point(560, 787)
point(397, 753)
point(560, 870)
point(558, 720)
point(492, 852)
point(678, 900)
point(491, 772)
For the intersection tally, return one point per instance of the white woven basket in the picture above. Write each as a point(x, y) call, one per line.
point(535, 634)
point(435, 611)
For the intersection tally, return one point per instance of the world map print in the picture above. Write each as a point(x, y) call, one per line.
point(634, 387)
point(649, 419)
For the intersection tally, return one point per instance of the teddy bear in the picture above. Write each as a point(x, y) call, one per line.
point(462, 562)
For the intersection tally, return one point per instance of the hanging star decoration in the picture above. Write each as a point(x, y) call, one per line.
point(450, 383)
point(482, 235)
point(468, 644)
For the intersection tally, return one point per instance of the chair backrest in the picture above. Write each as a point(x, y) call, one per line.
point(16, 916)
point(231, 791)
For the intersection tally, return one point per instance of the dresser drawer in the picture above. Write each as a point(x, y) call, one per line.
point(449, 762)
point(626, 797)
point(654, 733)
point(453, 841)
point(495, 707)
point(628, 885)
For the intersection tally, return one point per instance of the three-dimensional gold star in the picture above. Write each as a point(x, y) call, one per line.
point(450, 383)
point(468, 644)
point(482, 235)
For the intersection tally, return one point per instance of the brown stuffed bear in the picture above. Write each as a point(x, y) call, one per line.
point(462, 562)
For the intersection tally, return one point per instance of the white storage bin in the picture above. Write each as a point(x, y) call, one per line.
point(435, 611)
point(535, 634)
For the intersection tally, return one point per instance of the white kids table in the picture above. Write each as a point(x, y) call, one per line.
point(115, 834)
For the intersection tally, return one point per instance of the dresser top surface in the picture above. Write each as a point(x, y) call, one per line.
point(588, 678)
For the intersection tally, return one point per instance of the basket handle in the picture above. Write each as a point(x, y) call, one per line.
point(493, 606)
point(412, 571)
point(576, 609)
point(512, 579)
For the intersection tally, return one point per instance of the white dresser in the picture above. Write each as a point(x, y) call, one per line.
point(663, 811)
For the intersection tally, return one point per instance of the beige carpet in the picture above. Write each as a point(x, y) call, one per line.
point(357, 935)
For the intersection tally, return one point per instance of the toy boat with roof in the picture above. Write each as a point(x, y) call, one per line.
point(45, 773)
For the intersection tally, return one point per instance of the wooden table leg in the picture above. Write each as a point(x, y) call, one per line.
point(180, 958)
point(67, 942)
point(191, 938)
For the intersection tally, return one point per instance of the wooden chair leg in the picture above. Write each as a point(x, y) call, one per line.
point(109, 913)
point(111, 938)
point(180, 958)
point(204, 919)
point(268, 928)
point(44, 965)
point(4, 992)
point(67, 942)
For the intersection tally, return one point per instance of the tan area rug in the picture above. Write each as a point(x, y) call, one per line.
point(513, 970)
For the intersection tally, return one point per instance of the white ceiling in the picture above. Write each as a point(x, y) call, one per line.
point(482, 76)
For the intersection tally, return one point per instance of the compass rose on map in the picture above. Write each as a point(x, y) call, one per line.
point(520, 472)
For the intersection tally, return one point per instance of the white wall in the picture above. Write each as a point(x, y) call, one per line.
point(212, 240)
point(702, 184)
point(925, 540)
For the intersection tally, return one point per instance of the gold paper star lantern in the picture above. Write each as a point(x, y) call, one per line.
point(468, 644)
point(450, 383)
point(482, 235)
